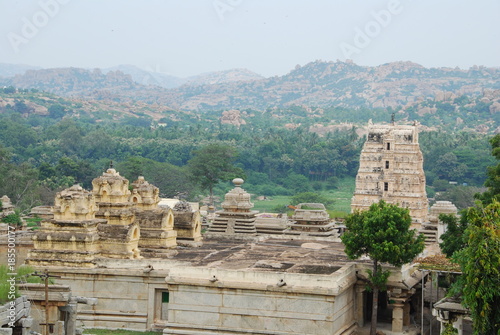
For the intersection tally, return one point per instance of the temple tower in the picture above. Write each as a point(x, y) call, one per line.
point(111, 192)
point(391, 169)
point(187, 223)
point(236, 216)
point(144, 195)
point(120, 236)
point(156, 223)
point(7, 208)
point(311, 219)
point(71, 238)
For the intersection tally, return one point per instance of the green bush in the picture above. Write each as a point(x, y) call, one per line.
point(23, 275)
point(33, 223)
point(13, 219)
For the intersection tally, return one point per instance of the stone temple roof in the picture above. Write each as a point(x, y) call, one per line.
point(276, 255)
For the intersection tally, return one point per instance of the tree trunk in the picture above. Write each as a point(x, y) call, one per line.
point(373, 327)
point(212, 196)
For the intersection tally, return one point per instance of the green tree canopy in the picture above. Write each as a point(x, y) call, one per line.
point(383, 234)
point(212, 164)
point(173, 181)
point(480, 264)
point(493, 179)
point(453, 238)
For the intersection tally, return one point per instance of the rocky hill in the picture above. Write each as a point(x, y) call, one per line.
point(10, 70)
point(148, 77)
point(219, 77)
point(320, 84)
point(75, 82)
point(167, 81)
point(339, 84)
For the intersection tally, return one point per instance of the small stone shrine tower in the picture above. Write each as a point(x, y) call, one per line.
point(156, 223)
point(311, 219)
point(120, 236)
point(7, 207)
point(187, 223)
point(144, 195)
point(71, 238)
point(391, 169)
point(236, 216)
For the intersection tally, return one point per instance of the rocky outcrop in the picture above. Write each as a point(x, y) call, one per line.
point(232, 117)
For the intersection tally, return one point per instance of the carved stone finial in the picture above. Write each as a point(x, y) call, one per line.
point(238, 182)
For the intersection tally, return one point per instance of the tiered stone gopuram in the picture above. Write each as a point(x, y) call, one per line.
point(156, 223)
point(236, 216)
point(391, 169)
point(311, 219)
point(187, 223)
point(71, 238)
point(120, 236)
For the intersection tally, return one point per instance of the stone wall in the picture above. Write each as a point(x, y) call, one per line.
point(135, 295)
point(211, 301)
point(125, 296)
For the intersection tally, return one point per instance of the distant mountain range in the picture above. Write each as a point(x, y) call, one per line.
point(137, 74)
point(317, 83)
point(10, 70)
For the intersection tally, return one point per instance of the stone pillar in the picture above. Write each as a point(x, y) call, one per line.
point(458, 324)
point(397, 318)
point(359, 305)
point(71, 310)
point(26, 323)
point(406, 314)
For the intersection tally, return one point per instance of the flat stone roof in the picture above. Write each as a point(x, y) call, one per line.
point(269, 254)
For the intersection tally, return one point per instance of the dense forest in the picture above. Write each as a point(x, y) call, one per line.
point(40, 153)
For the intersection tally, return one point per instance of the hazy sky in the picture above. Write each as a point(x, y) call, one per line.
point(270, 37)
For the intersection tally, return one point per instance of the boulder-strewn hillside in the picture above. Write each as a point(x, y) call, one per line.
point(339, 84)
point(219, 77)
point(148, 77)
point(76, 82)
point(320, 84)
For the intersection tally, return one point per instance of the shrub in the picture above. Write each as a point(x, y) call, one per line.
point(23, 274)
point(13, 219)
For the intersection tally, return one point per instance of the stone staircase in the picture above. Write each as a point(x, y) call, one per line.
point(430, 232)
